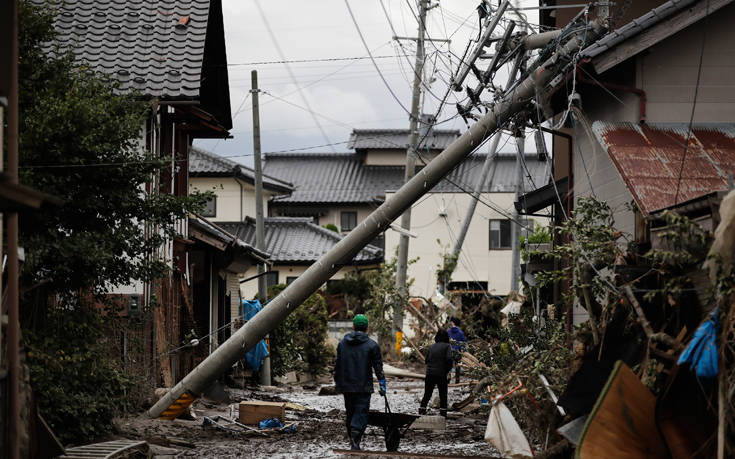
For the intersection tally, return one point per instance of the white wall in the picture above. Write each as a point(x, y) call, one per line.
point(249, 289)
point(334, 214)
point(477, 262)
point(235, 198)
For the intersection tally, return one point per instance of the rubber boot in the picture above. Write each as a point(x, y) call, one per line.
point(443, 412)
point(422, 410)
point(355, 441)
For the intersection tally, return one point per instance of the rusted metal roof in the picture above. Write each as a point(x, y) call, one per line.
point(649, 159)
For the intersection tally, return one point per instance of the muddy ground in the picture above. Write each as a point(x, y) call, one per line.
point(319, 429)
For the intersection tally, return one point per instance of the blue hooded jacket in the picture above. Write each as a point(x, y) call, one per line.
point(455, 334)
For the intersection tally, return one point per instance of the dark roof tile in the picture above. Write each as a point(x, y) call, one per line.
point(344, 178)
point(297, 240)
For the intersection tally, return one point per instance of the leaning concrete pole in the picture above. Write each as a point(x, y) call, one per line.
point(232, 350)
point(486, 167)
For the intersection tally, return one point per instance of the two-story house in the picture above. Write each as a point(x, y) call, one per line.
point(292, 243)
point(171, 53)
point(654, 128)
point(343, 188)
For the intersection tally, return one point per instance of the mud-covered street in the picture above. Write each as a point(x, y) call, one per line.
point(319, 428)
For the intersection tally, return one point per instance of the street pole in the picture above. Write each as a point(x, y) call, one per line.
point(265, 370)
point(201, 377)
point(486, 167)
point(413, 137)
point(515, 232)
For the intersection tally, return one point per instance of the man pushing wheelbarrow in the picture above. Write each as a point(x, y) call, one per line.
point(357, 357)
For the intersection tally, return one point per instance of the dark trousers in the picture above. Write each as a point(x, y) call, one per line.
point(357, 405)
point(441, 383)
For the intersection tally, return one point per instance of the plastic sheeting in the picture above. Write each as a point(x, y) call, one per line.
point(701, 353)
point(504, 433)
point(259, 352)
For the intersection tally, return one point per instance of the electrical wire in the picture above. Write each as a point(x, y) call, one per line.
point(302, 61)
point(288, 69)
point(694, 102)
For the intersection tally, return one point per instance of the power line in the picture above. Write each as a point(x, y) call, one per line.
point(694, 102)
point(375, 64)
point(288, 68)
point(301, 61)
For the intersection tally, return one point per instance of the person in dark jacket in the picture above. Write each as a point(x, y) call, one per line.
point(438, 364)
point(459, 343)
point(357, 357)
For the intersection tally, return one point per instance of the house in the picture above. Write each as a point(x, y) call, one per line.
point(654, 125)
point(293, 244)
point(343, 188)
point(171, 53)
point(233, 186)
point(357, 181)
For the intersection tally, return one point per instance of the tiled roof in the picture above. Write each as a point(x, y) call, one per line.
point(156, 47)
point(203, 163)
point(297, 240)
point(344, 178)
point(225, 236)
point(398, 138)
point(634, 27)
point(648, 158)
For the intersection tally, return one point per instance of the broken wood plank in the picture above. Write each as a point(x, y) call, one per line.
point(436, 423)
point(365, 452)
point(252, 412)
point(390, 370)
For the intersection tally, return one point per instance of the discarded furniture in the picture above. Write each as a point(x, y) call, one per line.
point(109, 450)
point(622, 422)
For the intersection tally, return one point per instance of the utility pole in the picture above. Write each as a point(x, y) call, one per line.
point(515, 228)
point(201, 377)
point(486, 167)
point(265, 370)
point(413, 137)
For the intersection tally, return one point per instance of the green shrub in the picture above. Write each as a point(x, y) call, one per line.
point(299, 343)
point(78, 387)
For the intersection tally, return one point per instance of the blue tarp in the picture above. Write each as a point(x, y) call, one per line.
point(256, 355)
point(701, 353)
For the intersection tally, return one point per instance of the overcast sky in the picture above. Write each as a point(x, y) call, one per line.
point(343, 94)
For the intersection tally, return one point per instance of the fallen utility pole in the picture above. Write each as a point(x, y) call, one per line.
point(265, 369)
point(232, 350)
point(486, 166)
point(413, 137)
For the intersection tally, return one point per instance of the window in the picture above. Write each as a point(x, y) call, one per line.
point(349, 221)
point(290, 279)
point(500, 234)
point(271, 278)
point(210, 207)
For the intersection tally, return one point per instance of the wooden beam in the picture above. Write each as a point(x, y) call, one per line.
point(207, 239)
point(655, 34)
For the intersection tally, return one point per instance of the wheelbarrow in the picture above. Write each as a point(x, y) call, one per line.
point(394, 425)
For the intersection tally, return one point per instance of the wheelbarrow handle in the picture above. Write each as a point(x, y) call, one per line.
point(387, 407)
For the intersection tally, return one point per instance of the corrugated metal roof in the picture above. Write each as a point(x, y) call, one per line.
point(649, 157)
point(297, 240)
point(148, 46)
point(343, 178)
point(203, 163)
point(439, 139)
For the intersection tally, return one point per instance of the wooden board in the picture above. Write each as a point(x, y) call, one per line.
point(622, 423)
point(252, 412)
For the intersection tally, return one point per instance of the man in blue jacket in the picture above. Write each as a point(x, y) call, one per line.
point(459, 343)
point(357, 357)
